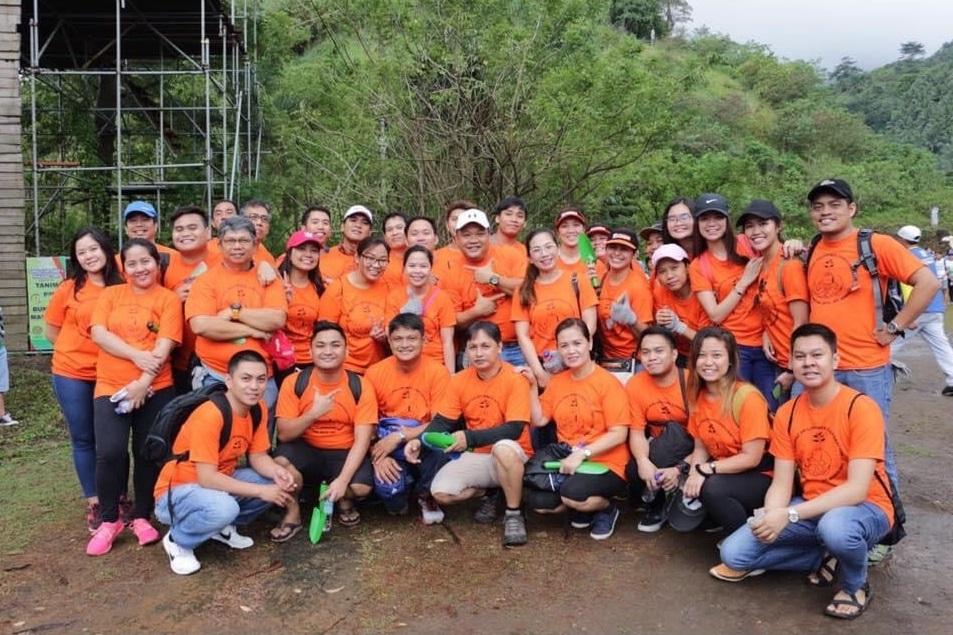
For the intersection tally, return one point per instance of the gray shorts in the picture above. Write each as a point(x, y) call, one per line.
point(473, 469)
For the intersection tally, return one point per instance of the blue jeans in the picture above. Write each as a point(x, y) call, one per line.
point(513, 354)
point(876, 383)
point(847, 533)
point(755, 367)
point(200, 513)
point(75, 397)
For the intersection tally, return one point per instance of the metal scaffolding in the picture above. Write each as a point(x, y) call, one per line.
point(128, 99)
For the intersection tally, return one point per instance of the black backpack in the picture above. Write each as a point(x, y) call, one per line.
point(165, 428)
point(304, 376)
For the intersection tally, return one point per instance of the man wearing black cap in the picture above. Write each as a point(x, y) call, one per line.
point(653, 239)
point(842, 295)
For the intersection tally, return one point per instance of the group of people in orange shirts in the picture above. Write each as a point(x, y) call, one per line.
point(655, 379)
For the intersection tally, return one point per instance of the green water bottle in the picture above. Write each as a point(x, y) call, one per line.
point(589, 257)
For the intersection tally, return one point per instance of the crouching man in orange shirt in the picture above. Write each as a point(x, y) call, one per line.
point(834, 437)
point(204, 496)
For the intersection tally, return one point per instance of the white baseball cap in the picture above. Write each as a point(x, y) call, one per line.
point(472, 215)
point(910, 233)
point(358, 209)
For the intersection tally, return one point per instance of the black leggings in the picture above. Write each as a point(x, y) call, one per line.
point(577, 487)
point(112, 454)
point(731, 498)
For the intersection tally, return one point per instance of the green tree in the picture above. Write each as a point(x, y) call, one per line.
point(912, 50)
point(641, 18)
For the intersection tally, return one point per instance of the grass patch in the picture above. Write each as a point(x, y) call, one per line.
point(36, 471)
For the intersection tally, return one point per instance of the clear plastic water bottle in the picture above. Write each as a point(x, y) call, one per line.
point(552, 362)
point(328, 513)
point(648, 494)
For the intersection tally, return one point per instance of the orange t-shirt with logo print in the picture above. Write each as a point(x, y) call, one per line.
point(178, 273)
point(219, 288)
point(458, 281)
point(845, 301)
point(140, 320)
point(584, 409)
point(438, 314)
point(744, 321)
point(335, 430)
point(336, 263)
point(302, 314)
point(408, 395)
point(619, 342)
point(357, 310)
point(717, 429)
point(488, 403)
point(555, 301)
point(690, 311)
point(775, 314)
point(651, 404)
point(823, 441)
point(74, 353)
point(199, 436)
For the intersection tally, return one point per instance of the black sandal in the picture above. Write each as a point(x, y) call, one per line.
point(826, 574)
point(831, 609)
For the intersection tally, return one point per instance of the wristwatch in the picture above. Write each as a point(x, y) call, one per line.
point(236, 309)
point(403, 437)
point(587, 453)
point(894, 329)
point(792, 515)
point(494, 279)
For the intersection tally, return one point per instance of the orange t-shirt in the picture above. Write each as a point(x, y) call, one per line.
point(584, 409)
point(651, 404)
point(336, 263)
point(302, 314)
point(744, 321)
point(219, 288)
point(689, 311)
point(263, 255)
point(438, 314)
point(335, 430)
point(458, 281)
point(580, 268)
point(181, 273)
point(445, 259)
point(555, 301)
point(822, 441)
point(410, 395)
point(775, 314)
point(848, 307)
point(128, 315)
point(75, 353)
point(488, 403)
point(393, 275)
point(199, 436)
point(619, 342)
point(357, 311)
point(717, 429)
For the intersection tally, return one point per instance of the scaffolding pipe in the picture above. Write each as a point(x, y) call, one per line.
point(235, 150)
point(120, 4)
point(34, 35)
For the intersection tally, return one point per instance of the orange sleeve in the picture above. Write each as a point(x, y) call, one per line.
point(201, 300)
point(332, 302)
point(288, 404)
point(449, 405)
point(754, 420)
point(780, 436)
point(699, 280)
point(633, 388)
point(795, 281)
point(866, 430)
point(587, 295)
point(260, 441)
point(517, 403)
point(366, 411)
point(55, 313)
point(170, 325)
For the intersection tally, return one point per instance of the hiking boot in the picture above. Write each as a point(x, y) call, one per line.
point(102, 540)
point(653, 520)
point(181, 560)
point(430, 511)
point(144, 531)
point(486, 512)
point(514, 528)
point(230, 536)
point(93, 518)
point(603, 522)
point(878, 554)
point(580, 520)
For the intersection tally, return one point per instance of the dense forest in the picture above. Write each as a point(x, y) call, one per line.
point(610, 105)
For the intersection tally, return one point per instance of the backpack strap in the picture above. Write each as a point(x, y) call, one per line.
point(225, 408)
point(868, 259)
point(304, 376)
point(354, 385)
point(164, 260)
point(302, 379)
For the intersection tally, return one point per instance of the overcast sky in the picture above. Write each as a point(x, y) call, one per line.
point(870, 31)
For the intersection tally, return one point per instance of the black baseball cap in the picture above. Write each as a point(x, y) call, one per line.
point(624, 237)
point(654, 228)
point(711, 202)
point(838, 187)
point(762, 208)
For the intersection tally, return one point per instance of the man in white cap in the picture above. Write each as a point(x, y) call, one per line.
point(355, 227)
point(483, 279)
point(929, 325)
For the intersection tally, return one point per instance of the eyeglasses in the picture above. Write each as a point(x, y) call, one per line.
point(370, 261)
point(544, 249)
point(258, 217)
point(678, 218)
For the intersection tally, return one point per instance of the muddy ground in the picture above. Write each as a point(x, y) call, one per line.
point(395, 575)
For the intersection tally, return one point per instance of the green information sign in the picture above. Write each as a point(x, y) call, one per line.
point(43, 276)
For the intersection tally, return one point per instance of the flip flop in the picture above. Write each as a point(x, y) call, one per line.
point(349, 516)
point(826, 573)
point(292, 530)
point(831, 609)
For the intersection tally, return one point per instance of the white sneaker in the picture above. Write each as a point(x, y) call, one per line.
point(181, 560)
point(230, 536)
point(8, 420)
point(430, 511)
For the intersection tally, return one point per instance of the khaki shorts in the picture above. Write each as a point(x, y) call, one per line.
point(472, 470)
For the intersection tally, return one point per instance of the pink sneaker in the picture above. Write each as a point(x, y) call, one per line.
point(102, 540)
point(144, 531)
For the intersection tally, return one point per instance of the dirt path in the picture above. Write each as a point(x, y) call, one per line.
point(394, 575)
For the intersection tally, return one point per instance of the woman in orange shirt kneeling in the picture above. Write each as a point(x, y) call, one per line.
point(730, 469)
